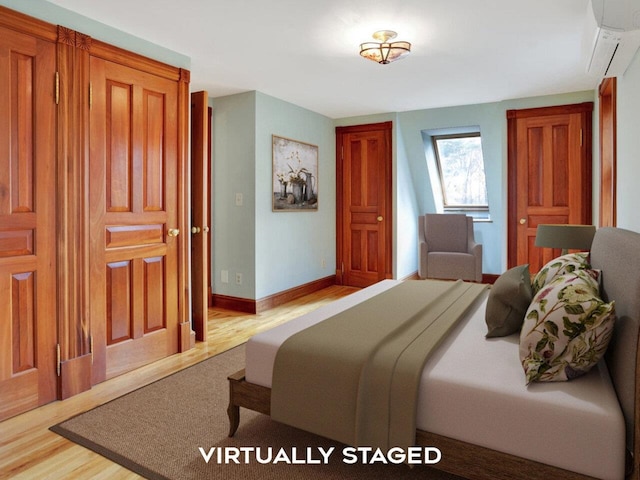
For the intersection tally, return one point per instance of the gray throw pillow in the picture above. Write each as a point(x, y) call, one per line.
point(509, 299)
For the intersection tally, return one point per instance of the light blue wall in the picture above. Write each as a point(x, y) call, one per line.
point(295, 247)
point(407, 208)
point(56, 15)
point(274, 251)
point(491, 120)
point(233, 172)
point(628, 154)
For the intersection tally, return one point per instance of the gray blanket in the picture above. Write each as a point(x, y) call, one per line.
point(354, 377)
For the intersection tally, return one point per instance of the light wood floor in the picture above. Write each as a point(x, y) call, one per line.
point(29, 450)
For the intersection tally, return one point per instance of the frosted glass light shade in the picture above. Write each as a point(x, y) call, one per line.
point(384, 51)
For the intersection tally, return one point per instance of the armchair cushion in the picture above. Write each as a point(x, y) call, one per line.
point(451, 265)
point(447, 233)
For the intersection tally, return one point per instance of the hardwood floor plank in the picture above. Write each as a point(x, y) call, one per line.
point(29, 450)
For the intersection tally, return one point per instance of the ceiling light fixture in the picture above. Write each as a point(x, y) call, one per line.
point(384, 51)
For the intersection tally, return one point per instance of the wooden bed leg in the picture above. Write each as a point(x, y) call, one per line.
point(233, 411)
point(244, 394)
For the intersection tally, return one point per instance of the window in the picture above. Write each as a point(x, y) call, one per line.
point(461, 169)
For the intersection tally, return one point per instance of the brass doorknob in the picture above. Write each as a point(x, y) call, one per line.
point(205, 229)
point(195, 229)
point(380, 218)
point(173, 232)
point(523, 221)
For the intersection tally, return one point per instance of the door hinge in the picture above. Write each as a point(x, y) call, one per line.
point(58, 360)
point(91, 347)
point(57, 88)
point(90, 95)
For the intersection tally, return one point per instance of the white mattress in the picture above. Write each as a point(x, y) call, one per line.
point(473, 389)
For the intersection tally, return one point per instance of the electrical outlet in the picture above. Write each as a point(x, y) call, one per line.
point(238, 279)
point(323, 263)
point(239, 199)
point(224, 276)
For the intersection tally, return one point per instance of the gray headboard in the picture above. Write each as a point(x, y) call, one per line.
point(617, 253)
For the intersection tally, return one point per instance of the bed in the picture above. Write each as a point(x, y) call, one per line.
point(484, 420)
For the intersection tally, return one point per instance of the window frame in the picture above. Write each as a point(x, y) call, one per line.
point(445, 205)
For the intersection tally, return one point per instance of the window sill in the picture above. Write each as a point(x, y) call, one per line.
point(477, 215)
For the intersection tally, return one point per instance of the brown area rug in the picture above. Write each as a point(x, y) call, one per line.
point(156, 431)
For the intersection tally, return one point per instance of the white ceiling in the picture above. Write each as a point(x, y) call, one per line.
point(306, 52)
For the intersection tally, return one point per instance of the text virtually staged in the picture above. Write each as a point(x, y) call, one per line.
point(320, 456)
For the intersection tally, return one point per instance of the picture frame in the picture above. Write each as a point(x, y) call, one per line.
point(295, 175)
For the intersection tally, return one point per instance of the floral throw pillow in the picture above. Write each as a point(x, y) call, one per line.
point(559, 266)
point(567, 328)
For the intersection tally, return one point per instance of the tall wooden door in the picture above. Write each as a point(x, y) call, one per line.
point(27, 223)
point(549, 176)
point(200, 160)
point(133, 201)
point(607, 95)
point(364, 220)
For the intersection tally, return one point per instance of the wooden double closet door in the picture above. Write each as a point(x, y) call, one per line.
point(92, 202)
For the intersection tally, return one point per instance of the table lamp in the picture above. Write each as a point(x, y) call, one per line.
point(578, 237)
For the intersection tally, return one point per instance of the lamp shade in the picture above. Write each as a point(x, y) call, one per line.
point(578, 237)
point(384, 51)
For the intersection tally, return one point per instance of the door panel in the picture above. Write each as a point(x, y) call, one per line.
point(364, 204)
point(27, 223)
point(133, 210)
point(550, 177)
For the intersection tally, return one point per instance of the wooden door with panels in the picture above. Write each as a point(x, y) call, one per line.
point(134, 218)
point(364, 201)
point(549, 171)
point(27, 223)
point(200, 202)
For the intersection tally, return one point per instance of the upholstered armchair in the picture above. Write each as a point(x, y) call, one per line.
point(447, 248)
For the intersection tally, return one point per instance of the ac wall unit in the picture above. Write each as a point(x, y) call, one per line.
point(614, 33)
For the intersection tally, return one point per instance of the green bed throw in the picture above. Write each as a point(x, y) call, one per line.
point(354, 377)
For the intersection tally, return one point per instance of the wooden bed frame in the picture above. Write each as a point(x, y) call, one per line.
point(614, 250)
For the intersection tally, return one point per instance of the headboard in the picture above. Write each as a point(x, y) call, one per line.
point(617, 253)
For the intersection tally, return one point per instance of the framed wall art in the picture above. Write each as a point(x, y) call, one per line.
point(295, 175)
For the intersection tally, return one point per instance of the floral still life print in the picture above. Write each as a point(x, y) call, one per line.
point(567, 328)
